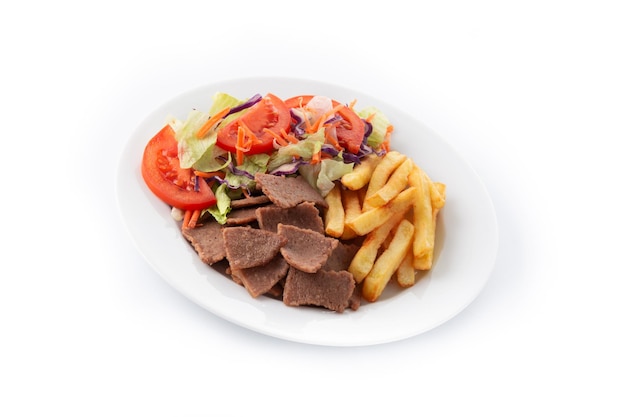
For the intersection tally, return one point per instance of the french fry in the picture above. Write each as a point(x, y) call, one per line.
point(425, 262)
point(388, 262)
point(334, 216)
point(423, 242)
point(361, 174)
point(381, 174)
point(437, 195)
point(405, 274)
point(370, 220)
point(394, 185)
point(352, 208)
point(365, 257)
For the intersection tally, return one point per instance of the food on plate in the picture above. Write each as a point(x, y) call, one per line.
point(300, 199)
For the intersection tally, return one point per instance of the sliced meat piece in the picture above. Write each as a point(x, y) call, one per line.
point(329, 289)
point(208, 241)
point(304, 215)
point(241, 216)
point(276, 291)
point(249, 201)
point(288, 191)
point(247, 247)
point(355, 300)
point(341, 257)
point(261, 279)
point(305, 249)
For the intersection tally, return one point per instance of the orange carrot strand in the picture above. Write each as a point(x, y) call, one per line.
point(332, 140)
point(239, 147)
point(212, 122)
point(193, 221)
point(291, 138)
point(278, 138)
point(325, 116)
point(187, 218)
point(316, 158)
point(209, 174)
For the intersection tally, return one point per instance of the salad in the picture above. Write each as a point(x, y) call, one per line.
point(199, 165)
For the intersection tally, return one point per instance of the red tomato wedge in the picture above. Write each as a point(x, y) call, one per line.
point(269, 113)
point(172, 184)
point(350, 131)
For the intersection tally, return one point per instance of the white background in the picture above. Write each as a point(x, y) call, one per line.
point(531, 93)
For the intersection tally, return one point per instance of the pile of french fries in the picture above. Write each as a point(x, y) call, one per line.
point(393, 204)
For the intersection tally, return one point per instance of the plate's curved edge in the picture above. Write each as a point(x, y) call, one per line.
point(313, 338)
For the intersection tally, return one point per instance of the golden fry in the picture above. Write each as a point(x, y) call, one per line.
point(334, 217)
point(361, 174)
point(437, 194)
point(388, 262)
point(395, 184)
point(425, 262)
point(381, 174)
point(423, 242)
point(352, 208)
point(405, 274)
point(370, 220)
point(365, 257)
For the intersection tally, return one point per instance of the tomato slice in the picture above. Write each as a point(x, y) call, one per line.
point(269, 113)
point(350, 131)
point(172, 184)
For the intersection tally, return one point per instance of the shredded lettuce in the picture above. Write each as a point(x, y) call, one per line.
point(331, 170)
point(223, 100)
point(304, 149)
point(323, 175)
point(379, 122)
point(190, 148)
point(251, 165)
point(221, 209)
point(201, 153)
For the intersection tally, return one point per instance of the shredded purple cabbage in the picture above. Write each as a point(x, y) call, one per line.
point(368, 129)
point(368, 150)
point(225, 181)
point(249, 103)
point(296, 127)
point(241, 172)
point(234, 169)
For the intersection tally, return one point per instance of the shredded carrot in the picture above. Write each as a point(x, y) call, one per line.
point(245, 192)
point(193, 221)
point(239, 147)
point(187, 218)
point(386, 140)
point(249, 134)
point(209, 174)
point(316, 158)
point(352, 104)
point(370, 117)
point(325, 116)
point(291, 138)
point(278, 138)
point(211, 122)
point(332, 140)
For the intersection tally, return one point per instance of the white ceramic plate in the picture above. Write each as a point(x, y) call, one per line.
point(467, 236)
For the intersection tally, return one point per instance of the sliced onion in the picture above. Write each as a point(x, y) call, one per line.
point(288, 168)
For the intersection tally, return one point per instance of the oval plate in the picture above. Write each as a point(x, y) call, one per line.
point(465, 253)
